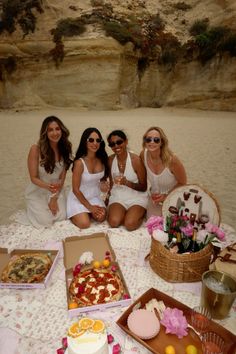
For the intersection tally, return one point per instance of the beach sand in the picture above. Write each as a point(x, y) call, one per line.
point(203, 140)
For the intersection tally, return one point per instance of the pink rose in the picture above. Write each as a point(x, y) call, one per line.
point(187, 230)
point(220, 234)
point(154, 223)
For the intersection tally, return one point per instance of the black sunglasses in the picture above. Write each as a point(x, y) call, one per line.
point(149, 139)
point(91, 140)
point(117, 142)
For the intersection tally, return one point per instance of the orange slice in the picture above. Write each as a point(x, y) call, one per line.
point(73, 305)
point(86, 323)
point(74, 330)
point(98, 326)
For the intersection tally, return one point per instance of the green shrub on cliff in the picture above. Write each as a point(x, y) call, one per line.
point(19, 12)
point(216, 40)
point(68, 27)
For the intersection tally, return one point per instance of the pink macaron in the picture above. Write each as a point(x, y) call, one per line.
point(143, 323)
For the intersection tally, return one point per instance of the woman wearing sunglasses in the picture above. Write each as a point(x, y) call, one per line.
point(164, 170)
point(128, 196)
point(89, 168)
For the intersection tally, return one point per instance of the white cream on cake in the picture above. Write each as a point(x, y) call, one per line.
point(88, 343)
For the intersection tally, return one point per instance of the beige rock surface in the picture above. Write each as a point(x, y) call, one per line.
point(98, 73)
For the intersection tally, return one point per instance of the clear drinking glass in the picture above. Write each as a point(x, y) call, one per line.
point(212, 343)
point(56, 182)
point(117, 177)
point(200, 318)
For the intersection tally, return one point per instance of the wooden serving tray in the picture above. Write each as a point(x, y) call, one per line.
point(157, 344)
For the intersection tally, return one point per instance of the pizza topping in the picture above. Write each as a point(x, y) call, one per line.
point(27, 268)
point(100, 286)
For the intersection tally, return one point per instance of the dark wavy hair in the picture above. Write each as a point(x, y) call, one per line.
point(47, 156)
point(117, 132)
point(101, 153)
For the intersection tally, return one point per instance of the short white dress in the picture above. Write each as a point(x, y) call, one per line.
point(37, 199)
point(124, 195)
point(90, 188)
point(159, 183)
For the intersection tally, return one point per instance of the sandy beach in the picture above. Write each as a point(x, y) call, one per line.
point(203, 140)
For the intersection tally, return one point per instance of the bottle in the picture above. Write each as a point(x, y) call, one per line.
point(194, 247)
point(179, 243)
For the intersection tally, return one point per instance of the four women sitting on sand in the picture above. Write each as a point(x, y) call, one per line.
point(128, 175)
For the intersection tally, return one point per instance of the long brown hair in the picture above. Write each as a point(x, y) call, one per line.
point(166, 154)
point(47, 156)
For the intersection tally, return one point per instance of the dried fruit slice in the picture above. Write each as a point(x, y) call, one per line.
point(73, 305)
point(75, 331)
point(86, 323)
point(98, 326)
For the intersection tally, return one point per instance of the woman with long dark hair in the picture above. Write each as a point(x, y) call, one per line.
point(90, 167)
point(48, 162)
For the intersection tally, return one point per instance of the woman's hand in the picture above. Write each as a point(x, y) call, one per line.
point(97, 212)
point(158, 198)
point(53, 206)
point(53, 188)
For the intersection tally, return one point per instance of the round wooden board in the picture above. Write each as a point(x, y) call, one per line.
point(196, 199)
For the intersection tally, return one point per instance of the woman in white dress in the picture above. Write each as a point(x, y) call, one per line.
point(90, 167)
point(128, 197)
point(48, 162)
point(164, 170)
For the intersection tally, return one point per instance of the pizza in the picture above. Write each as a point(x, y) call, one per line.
point(95, 286)
point(27, 268)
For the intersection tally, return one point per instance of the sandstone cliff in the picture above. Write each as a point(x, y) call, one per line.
point(97, 72)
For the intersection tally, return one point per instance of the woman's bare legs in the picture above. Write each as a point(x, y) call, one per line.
point(116, 215)
point(134, 217)
point(81, 220)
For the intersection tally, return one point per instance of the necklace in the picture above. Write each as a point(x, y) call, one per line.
point(154, 162)
point(121, 164)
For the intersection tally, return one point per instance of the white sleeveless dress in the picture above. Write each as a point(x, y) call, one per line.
point(90, 188)
point(159, 183)
point(37, 199)
point(124, 195)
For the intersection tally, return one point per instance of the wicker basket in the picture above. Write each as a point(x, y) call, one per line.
point(179, 268)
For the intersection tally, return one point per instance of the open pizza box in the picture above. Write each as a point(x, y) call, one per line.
point(158, 344)
point(98, 244)
point(5, 258)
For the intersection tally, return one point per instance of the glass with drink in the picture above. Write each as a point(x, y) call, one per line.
point(117, 178)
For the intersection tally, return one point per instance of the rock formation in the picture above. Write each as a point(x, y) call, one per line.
point(97, 72)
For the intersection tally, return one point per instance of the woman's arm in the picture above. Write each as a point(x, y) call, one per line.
point(33, 163)
point(76, 181)
point(178, 170)
point(140, 170)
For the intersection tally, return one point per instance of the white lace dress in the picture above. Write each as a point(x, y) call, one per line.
point(37, 199)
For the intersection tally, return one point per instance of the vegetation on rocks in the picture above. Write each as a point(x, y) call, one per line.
point(211, 41)
point(19, 12)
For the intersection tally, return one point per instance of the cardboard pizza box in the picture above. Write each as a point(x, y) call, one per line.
point(98, 244)
point(161, 340)
point(5, 257)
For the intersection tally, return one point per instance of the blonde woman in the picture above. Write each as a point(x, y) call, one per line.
point(164, 170)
